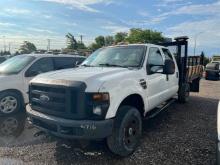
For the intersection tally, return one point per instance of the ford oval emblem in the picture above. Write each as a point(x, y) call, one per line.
point(44, 98)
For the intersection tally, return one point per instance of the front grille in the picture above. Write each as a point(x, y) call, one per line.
point(58, 100)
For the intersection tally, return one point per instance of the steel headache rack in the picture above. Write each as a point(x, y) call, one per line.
point(190, 67)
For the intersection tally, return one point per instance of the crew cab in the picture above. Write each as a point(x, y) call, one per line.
point(111, 92)
point(16, 72)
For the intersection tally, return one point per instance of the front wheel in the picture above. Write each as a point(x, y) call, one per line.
point(10, 102)
point(126, 132)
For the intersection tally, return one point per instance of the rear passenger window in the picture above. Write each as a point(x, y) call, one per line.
point(40, 66)
point(64, 62)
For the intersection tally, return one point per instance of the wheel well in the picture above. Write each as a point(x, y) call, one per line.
point(134, 100)
point(15, 91)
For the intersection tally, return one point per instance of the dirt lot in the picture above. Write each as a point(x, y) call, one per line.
point(184, 134)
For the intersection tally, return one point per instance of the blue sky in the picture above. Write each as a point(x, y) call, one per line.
point(39, 20)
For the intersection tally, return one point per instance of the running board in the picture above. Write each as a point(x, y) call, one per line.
point(154, 112)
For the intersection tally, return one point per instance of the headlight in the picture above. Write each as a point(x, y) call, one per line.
point(98, 104)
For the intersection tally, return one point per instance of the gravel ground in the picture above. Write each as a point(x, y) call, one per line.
point(183, 134)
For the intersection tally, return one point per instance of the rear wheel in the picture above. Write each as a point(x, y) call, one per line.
point(184, 92)
point(10, 102)
point(126, 132)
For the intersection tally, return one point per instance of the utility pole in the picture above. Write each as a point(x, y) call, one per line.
point(48, 44)
point(195, 45)
point(81, 36)
point(9, 47)
point(4, 44)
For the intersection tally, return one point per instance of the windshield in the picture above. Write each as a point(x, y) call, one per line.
point(15, 64)
point(121, 56)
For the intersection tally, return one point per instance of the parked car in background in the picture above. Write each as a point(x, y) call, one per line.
point(16, 72)
point(212, 71)
point(2, 59)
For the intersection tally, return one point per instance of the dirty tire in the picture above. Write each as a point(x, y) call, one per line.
point(184, 92)
point(127, 132)
point(13, 100)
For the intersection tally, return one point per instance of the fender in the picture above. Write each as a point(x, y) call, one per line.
point(121, 91)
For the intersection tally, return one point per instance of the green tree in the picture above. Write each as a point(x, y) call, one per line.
point(2, 53)
point(94, 46)
point(27, 48)
point(120, 37)
point(206, 59)
point(100, 41)
point(71, 42)
point(144, 36)
point(80, 45)
point(109, 40)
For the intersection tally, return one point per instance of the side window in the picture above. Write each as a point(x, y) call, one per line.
point(79, 60)
point(167, 54)
point(40, 66)
point(155, 61)
point(64, 62)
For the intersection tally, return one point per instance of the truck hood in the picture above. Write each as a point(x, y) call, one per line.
point(94, 77)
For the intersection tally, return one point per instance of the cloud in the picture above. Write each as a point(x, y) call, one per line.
point(84, 5)
point(40, 30)
point(116, 28)
point(16, 11)
point(70, 24)
point(144, 13)
point(6, 24)
point(199, 9)
point(208, 30)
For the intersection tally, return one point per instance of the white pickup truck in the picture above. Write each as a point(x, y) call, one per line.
point(110, 93)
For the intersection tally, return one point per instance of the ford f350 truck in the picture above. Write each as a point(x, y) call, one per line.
point(112, 91)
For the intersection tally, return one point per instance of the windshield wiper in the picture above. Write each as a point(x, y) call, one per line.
point(87, 65)
point(113, 65)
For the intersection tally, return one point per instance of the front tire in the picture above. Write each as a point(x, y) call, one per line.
point(10, 102)
point(127, 132)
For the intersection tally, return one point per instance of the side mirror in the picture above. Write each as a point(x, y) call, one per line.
point(31, 73)
point(76, 64)
point(169, 67)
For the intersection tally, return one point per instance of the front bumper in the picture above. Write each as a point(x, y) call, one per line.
point(72, 129)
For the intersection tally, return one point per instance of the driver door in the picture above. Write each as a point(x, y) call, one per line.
point(155, 81)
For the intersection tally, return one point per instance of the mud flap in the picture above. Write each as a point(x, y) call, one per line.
point(195, 85)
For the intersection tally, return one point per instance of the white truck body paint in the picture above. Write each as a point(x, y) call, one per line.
point(120, 83)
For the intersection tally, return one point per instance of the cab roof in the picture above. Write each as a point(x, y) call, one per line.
point(52, 55)
point(146, 45)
